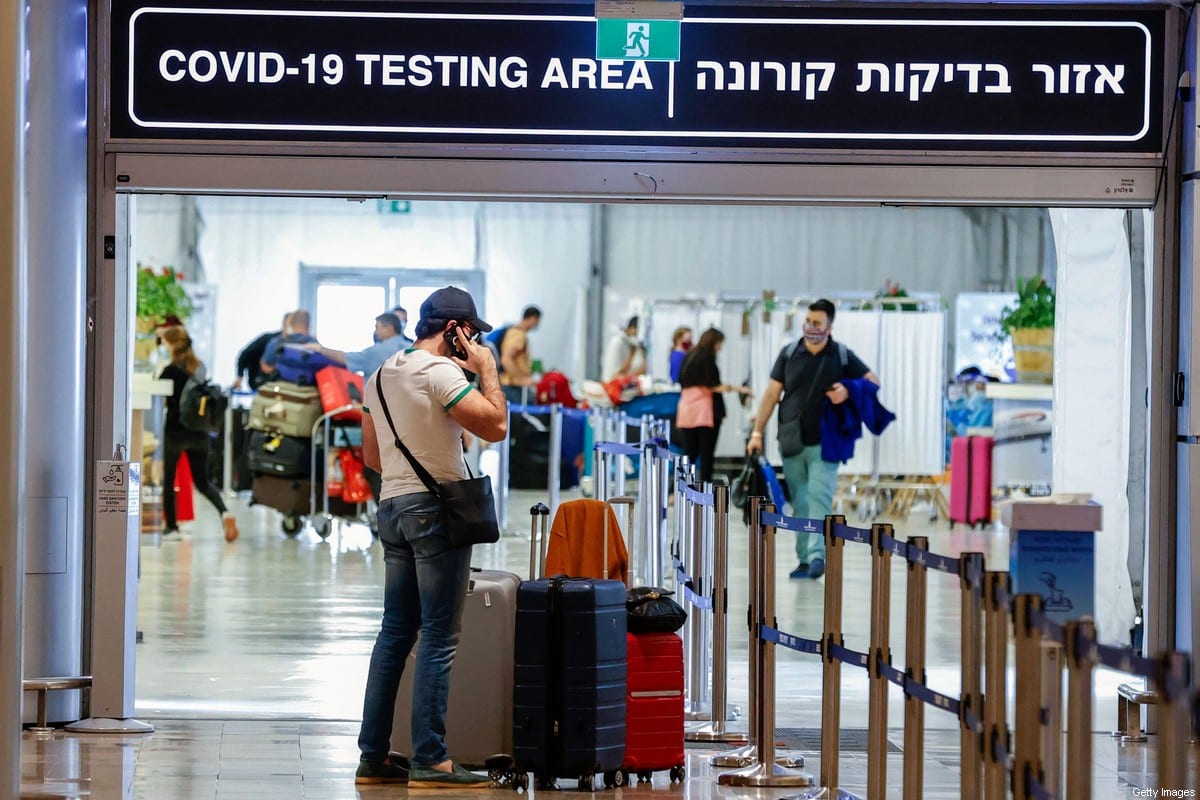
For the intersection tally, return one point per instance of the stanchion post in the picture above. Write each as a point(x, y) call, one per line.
point(554, 465)
point(697, 659)
point(1051, 657)
point(502, 479)
point(600, 469)
point(914, 668)
point(623, 438)
point(715, 730)
point(995, 725)
point(1027, 743)
point(1081, 641)
point(831, 679)
point(1172, 684)
point(766, 772)
point(880, 653)
point(703, 575)
point(971, 658)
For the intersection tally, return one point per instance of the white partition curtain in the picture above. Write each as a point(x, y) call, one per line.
point(1092, 395)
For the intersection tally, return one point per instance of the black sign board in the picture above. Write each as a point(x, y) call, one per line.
point(766, 77)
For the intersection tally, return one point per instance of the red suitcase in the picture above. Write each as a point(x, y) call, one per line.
point(654, 705)
point(339, 387)
point(971, 479)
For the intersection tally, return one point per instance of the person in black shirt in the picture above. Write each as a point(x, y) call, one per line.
point(178, 440)
point(701, 407)
point(249, 360)
point(805, 374)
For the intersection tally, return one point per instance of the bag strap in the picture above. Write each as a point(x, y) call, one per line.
point(422, 473)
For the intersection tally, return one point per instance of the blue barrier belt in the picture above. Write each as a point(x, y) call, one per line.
point(685, 584)
point(797, 643)
point(1125, 660)
point(1036, 789)
point(972, 722)
point(704, 603)
point(852, 534)
point(576, 413)
point(619, 449)
point(914, 688)
point(893, 545)
point(795, 524)
point(1000, 752)
point(1048, 628)
point(520, 409)
point(847, 656)
point(891, 673)
point(698, 498)
point(929, 560)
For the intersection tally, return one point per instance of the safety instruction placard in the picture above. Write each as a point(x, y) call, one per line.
point(118, 487)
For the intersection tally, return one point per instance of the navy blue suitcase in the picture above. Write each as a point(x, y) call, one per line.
point(569, 699)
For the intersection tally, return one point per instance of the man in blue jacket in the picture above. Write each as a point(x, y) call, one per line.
point(805, 374)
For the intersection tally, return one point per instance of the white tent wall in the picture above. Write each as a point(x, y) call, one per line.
point(1092, 395)
point(671, 251)
point(252, 247)
point(540, 254)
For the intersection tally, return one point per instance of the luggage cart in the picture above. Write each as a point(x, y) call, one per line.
point(322, 520)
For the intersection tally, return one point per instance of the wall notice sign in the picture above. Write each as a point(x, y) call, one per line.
point(639, 9)
point(748, 75)
point(118, 487)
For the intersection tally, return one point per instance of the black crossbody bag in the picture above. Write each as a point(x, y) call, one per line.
point(468, 507)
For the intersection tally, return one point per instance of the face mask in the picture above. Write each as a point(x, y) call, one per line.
point(814, 335)
point(685, 345)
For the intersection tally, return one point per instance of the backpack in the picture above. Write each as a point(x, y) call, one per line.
point(843, 354)
point(202, 406)
point(555, 388)
point(493, 341)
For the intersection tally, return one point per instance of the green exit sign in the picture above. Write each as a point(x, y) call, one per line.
point(384, 206)
point(637, 39)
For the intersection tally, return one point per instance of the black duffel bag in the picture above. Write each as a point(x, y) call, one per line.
point(651, 610)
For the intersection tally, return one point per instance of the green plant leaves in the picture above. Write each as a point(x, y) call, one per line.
point(1034, 309)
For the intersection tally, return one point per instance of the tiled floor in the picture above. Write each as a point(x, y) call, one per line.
point(255, 657)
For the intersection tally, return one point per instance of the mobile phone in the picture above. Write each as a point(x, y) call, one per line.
point(451, 338)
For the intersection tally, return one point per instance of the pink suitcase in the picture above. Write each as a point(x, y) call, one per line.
point(971, 479)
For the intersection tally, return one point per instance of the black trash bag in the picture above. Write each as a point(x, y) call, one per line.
point(651, 610)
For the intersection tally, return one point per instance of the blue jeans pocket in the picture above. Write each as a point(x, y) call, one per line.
point(424, 530)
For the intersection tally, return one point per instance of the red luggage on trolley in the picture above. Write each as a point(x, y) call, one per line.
point(339, 387)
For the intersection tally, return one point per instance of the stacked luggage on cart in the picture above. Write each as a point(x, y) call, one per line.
point(549, 679)
point(294, 458)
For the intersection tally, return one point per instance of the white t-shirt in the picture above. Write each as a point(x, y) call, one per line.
point(616, 351)
point(421, 388)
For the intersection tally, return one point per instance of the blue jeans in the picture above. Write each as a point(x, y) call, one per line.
point(812, 482)
point(424, 591)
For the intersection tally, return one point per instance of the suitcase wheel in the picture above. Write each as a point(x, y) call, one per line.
point(520, 782)
point(291, 524)
point(545, 782)
point(587, 783)
point(323, 525)
point(678, 774)
point(645, 776)
point(615, 779)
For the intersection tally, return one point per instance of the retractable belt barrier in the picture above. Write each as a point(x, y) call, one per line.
point(1027, 757)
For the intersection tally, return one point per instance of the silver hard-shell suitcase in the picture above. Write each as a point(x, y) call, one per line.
point(479, 716)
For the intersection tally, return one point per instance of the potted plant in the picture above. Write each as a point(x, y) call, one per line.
point(1031, 326)
point(160, 295)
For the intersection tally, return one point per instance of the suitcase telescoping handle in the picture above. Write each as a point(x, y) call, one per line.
point(614, 502)
point(539, 522)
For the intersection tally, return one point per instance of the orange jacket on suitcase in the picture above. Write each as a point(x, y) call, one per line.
point(577, 542)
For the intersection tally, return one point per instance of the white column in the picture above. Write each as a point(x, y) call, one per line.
point(1091, 392)
point(12, 366)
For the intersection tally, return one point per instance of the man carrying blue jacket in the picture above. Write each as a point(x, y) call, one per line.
point(804, 376)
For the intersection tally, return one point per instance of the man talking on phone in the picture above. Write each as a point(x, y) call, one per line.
point(427, 397)
point(805, 374)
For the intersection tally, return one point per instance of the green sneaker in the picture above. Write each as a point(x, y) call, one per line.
point(386, 771)
point(429, 778)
